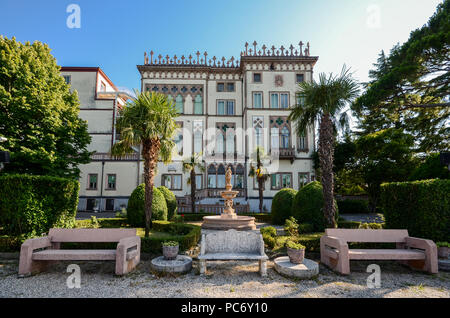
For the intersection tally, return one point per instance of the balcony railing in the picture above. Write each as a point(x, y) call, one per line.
point(108, 157)
point(283, 153)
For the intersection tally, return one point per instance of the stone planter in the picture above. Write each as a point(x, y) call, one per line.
point(296, 256)
point(443, 252)
point(170, 252)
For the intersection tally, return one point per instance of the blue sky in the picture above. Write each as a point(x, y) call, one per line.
point(115, 34)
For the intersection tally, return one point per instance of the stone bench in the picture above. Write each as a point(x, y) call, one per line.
point(36, 254)
point(417, 253)
point(233, 245)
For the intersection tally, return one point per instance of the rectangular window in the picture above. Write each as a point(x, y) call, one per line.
point(171, 181)
point(281, 180)
point(109, 205)
point(302, 142)
point(299, 78)
point(92, 185)
point(230, 87)
point(111, 182)
point(225, 107)
point(67, 79)
point(179, 139)
point(303, 179)
point(257, 100)
point(274, 138)
point(274, 100)
point(284, 100)
point(199, 181)
point(256, 77)
point(221, 87)
point(212, 181)
point(230, 107)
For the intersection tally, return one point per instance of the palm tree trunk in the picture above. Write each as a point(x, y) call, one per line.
point(193, 190)
point(150, 151)
point(261, 194)
point(326, 155)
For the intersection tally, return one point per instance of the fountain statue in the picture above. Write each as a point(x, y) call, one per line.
point(228, 219)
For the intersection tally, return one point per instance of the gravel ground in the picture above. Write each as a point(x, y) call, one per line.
point(224, 279)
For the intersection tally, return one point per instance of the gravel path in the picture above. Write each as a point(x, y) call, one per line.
point(224, 279)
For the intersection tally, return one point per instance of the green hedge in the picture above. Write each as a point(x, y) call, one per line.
point(349, 224)
point(352, 206)
point(421, 207)
point(282, 205)
point(31, 205)
point(136, 206)
point(171, 202)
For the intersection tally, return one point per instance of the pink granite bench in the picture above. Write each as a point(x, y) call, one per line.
point(417, 253)
point(36, 254)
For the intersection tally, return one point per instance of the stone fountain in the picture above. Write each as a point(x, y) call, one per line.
point(229, 219)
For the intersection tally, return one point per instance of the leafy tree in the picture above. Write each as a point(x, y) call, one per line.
point(260, 173)
point(384, 156)
point(148, 121)
point(324, 101)
point(409, 87)
point(190, 165)
point(38, 113)
point(431, 168)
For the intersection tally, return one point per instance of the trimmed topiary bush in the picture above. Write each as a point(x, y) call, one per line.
point(421, 207)
point(31, 205)
point(307, 206)
point(136, 206)
point(171, 201)
point(282, 205)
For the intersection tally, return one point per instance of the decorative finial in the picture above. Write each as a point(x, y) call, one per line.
point(159, 57)
point(214, 61)
point(246, 47)
point(291, 48)
point(264, 49)
point(145, 58)
point(151, 57)
point(301, 48)
point(254, 46)
point(198, 57)
point(282, 50)
point(273, 50)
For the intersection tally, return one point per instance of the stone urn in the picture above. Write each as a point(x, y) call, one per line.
point(296, 256)
point(170, 250)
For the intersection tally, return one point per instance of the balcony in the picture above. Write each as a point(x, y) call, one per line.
point(108, 157)
point(283, 154)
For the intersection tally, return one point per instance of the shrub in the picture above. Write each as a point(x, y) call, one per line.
point(291, 227)
point(442, 244)
point(310, 241)
point(281, 205)
point(421, 207)
point(373, 226)
point(430, 169)
point(353, 206)
point(269, 240)
point(136, 206)
point(349, 224)
point(269, 230)
point(307, 206)
point(170, 243)
point(171, 202)
point(295, 246)
point(31, 205)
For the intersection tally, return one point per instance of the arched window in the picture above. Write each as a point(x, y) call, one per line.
point(220, 143)
point(285, 134)
point(221, 177)
point(198, 105)
point(230, 141)
point(179, 103)
point(170, 99)
point(212, 176)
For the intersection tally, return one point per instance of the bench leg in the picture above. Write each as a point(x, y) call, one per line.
point(202, 267)
point(341, 264)
point(263, 268)
point(27, 266)
point(124, 266)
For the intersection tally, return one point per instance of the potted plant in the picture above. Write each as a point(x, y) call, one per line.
point(170, 250)
point(443, 249)
point(295, 251)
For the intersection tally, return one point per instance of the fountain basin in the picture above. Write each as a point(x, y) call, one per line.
point(228, 222)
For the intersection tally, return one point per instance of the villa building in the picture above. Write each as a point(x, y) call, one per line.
point(227, 108)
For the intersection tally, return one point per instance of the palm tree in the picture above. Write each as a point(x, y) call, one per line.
point(190, 165)
point(260, 174)
point(148, 121)
point(324, 101)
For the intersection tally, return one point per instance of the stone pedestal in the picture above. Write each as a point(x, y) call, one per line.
point(182, 264)
point(305, 270)
point(240, 223)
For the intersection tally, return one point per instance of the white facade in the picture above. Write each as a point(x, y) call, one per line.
point(226, 109)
